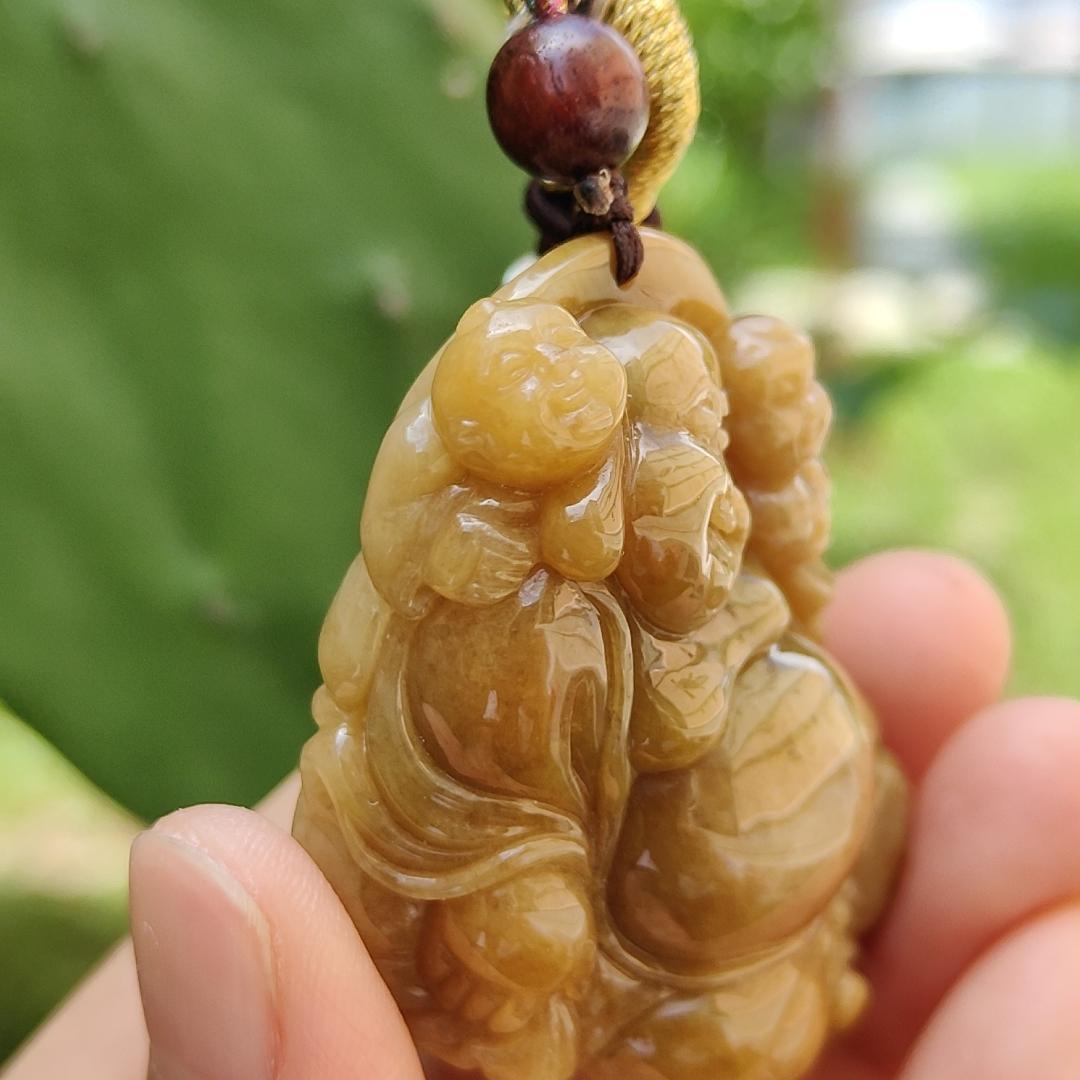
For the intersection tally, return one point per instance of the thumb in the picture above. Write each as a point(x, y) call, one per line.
point(249, 968)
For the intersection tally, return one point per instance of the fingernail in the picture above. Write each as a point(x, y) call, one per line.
point(206, 972)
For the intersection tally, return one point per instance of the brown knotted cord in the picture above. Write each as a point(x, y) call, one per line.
point(599, 203)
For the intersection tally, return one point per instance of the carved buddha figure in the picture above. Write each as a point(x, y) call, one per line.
point(593, 795)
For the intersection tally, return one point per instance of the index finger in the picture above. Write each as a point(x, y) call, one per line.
point(926, 639)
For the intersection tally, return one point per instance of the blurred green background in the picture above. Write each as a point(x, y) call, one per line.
point(230, 234)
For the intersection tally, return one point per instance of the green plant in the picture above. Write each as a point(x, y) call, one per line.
point(225, 250)
point(980, 458)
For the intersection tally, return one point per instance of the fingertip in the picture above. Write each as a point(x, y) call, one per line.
point(996, 839)
point(205, 964)
point(1015, 764)
point(1050, 713)
point(1014, 1013)
point(191, 822)
point(927, 640)
point(333, 1009)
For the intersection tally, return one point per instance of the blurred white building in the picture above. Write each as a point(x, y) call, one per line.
point(926, 76)
point(923, 85)
point(930, 82)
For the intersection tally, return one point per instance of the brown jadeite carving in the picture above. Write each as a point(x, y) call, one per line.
point(596, 799)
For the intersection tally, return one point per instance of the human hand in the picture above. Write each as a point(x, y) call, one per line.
point(250, 969)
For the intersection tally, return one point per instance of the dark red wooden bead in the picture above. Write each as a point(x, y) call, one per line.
point(567, 97)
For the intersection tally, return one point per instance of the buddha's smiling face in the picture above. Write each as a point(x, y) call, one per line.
point(687, 522)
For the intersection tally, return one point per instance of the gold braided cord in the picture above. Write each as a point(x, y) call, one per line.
point(659, 35)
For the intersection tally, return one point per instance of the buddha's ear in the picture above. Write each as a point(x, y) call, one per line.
point(349, 644)
point(412, 471)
